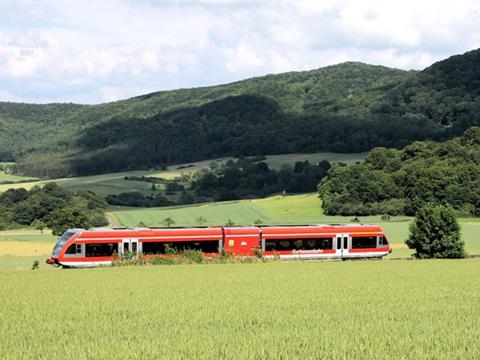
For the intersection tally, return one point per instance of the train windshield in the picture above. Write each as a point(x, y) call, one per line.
point(63, 239)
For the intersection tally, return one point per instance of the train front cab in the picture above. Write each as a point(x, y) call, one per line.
point(58, 249)
point(83, 248)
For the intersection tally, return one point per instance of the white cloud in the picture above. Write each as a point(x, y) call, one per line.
point(7, 96)
point(242, 58)
point(92, 51)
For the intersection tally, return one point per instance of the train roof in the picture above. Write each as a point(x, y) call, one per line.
point(225, 227)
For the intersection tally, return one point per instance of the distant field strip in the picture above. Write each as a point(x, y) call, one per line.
point(23, 248)
point(241, 212)
point(303, 310)
point(113, 183)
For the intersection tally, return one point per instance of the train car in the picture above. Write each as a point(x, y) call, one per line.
point(99, 247)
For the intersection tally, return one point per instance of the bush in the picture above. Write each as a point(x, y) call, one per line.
point(98, 220)
point(193, 256)
point(435, 233)
point(68, 218)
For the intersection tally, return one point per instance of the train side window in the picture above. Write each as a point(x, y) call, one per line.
point(103, 249)
point(382, 240)
point(327, 243)
point(74, 249)
point(364, 242)
point(310, 244)
point(152, 248)
point(298, 244)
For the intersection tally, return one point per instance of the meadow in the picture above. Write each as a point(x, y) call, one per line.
point(337, 310)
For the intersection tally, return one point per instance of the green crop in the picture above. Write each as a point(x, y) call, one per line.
point(340, 310)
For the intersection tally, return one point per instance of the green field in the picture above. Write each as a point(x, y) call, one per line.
point(335, 310)
point(281, 210)
point(5, 177)
point(114, 183)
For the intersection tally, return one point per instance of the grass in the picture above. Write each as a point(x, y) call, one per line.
point(24, 248)
point(335, 310)
point(114, 183)
point(27, 235)
point(277, 161)
point(24, 243)
point(298, 205)
point(22, 263)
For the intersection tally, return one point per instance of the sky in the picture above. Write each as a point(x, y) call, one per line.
point(91, 52)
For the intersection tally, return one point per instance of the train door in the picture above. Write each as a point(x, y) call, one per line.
point(130, 246)
point(341, 245)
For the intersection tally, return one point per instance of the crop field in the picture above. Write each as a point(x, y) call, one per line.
point(114, 183)
point(337, 310)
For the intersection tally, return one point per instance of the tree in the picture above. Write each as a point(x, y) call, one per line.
point(201, 220)
point(98, 219)
point(153, 187)
point(168, 221)
point(39, 225)
point(68, 218)
point(435, 233)
point(229, 222)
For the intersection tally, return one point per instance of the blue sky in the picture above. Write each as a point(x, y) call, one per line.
point(95, 51)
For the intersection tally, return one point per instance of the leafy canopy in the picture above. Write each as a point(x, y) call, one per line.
point(435, 233)
point(397, 182)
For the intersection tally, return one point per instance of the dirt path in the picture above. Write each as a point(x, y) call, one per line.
point(111, 220)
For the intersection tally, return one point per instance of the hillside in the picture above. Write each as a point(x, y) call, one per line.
point(446, 94)
point(350, 107)
point(394, 182)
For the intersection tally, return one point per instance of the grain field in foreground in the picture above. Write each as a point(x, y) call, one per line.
point(357, 309)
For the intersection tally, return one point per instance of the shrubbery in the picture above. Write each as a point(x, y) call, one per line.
point(135, 198)
point(435, 233)
point(186, 257)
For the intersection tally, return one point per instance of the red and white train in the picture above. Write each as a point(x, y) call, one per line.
point(88, 248)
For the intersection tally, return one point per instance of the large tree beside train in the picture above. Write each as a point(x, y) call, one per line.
point(343, 108)
point(435, 233)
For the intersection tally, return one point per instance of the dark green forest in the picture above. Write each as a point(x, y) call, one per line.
point(395, 182)
point(51, 206)
point(349, 107)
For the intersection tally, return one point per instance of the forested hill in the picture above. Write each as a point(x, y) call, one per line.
point(343, 108)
